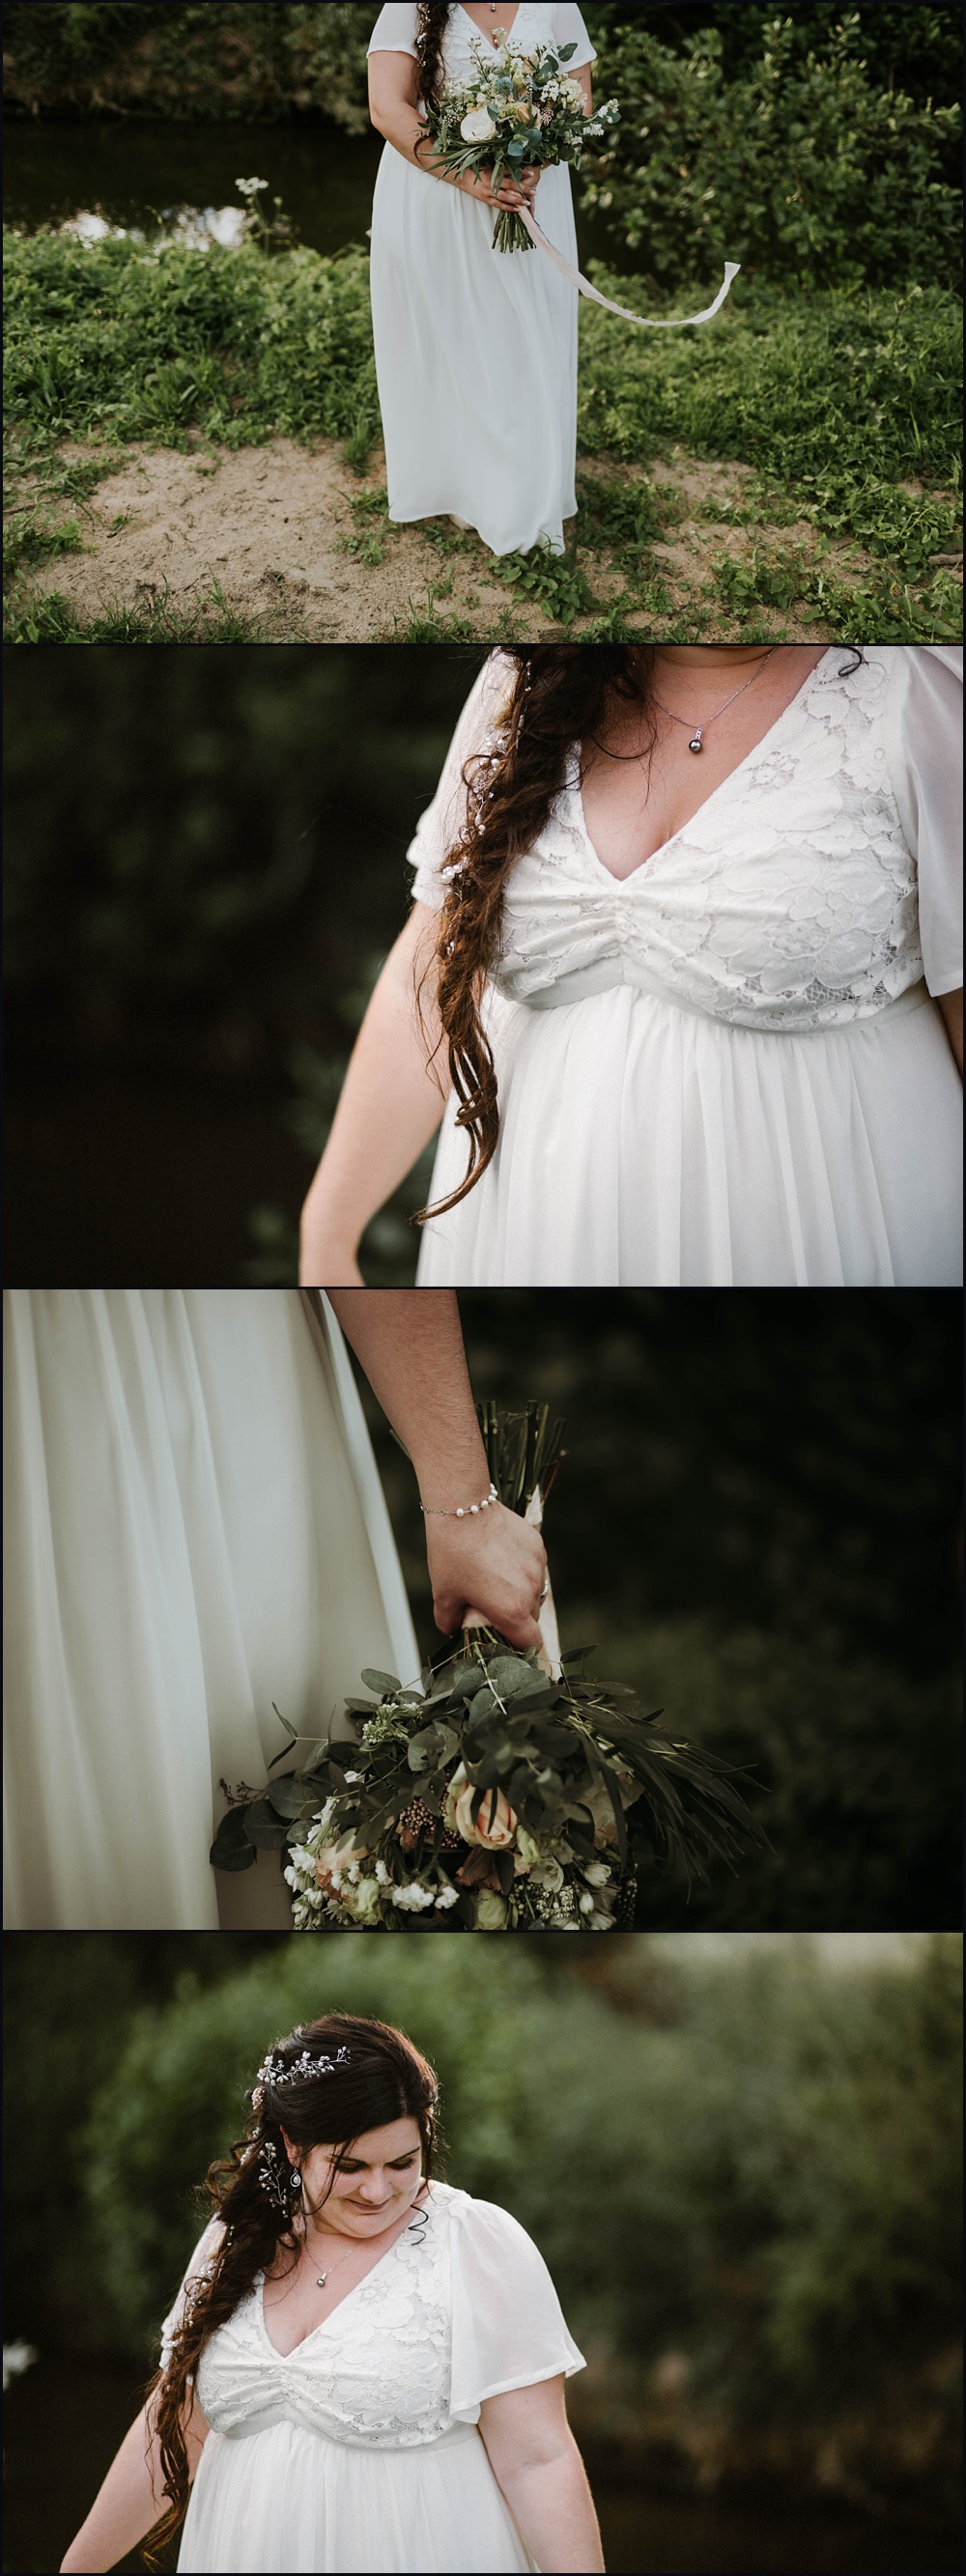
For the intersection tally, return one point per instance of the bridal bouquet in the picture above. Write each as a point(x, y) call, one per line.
point(491, 1794)
point(520, 110)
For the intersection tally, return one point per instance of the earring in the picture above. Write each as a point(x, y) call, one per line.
point(295, 2181)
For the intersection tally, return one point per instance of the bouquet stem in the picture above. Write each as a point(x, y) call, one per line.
point(509, 233)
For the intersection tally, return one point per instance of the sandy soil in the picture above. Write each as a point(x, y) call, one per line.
point(292, 539)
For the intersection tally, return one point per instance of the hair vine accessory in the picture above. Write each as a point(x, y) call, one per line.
point(273, 2070)
point(463, 1511)
point(281, 2180)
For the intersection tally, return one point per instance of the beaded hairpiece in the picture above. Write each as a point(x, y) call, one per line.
point(273, 2070)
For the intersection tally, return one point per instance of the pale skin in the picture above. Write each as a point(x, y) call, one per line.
point(489, 1567)
point(395, 1090)
point(393, 110)
point(352, 2209)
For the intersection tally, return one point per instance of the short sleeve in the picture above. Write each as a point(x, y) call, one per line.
point(395, 32)
point(441, 824)
point(201, 2262)
point(923, 723)
point(508, 2325)
point(569, 29)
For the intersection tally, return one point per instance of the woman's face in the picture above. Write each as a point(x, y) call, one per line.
point(365, 2189)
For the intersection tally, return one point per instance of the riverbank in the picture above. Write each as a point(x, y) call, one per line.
point(194, 450)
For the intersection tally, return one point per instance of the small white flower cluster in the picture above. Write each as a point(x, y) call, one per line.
point(250, 187)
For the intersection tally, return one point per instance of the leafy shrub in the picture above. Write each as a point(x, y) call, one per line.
point(800, 167)
point(119, 344)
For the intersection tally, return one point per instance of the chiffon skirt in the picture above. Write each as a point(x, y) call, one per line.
point(289, 2498)
point(476, 359)
point(194, 1528)
point(643, 1145)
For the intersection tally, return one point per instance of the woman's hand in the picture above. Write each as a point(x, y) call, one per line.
point(491, 1568)
point(511, 193)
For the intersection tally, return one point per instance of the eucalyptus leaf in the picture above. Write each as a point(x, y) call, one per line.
point(263, 1828)
point(286, 1796)
point(381, 1683)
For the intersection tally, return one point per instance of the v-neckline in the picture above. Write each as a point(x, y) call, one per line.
point(481, 31)
point(340, 2303)
point(765, 739)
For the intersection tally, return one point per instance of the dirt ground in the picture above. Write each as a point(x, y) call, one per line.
point(291, 539)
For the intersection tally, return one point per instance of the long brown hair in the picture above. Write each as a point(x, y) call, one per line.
point(381, 2078)
point(559, 698)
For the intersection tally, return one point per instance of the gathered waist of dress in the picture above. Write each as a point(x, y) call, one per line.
point(611, 974)
point(267, 2416)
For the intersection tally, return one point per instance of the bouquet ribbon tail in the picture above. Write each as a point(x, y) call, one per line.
point(549, 1655)
point(679, 322)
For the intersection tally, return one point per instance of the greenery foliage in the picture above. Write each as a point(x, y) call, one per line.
point(801, 166)
point(754, 2163)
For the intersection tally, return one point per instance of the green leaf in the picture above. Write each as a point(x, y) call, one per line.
point(283, 1721)
point(264, 1829)
point(286, 1796)
point(231, 1848)
point(381, 1682)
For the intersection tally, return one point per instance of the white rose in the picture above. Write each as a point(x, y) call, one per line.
point(478, 126)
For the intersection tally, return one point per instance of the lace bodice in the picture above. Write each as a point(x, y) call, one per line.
point(463, 41)
point(804, 893)
point(413, 2350)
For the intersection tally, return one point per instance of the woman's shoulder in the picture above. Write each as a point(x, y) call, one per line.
point(395, 30)
point(482, 2220)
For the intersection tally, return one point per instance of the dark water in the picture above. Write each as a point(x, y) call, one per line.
point(144, 174)
point(157, 178)
point(64, 2422)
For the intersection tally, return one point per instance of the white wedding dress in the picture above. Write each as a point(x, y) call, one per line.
point(476, 349)
point(194, 1527)
point(359, 2450)
point(727, 1069)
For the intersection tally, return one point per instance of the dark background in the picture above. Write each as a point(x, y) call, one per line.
point(756, 1524)
point(205, 865)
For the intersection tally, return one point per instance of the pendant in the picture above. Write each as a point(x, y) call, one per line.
point(696, 743)
point(320, 2280)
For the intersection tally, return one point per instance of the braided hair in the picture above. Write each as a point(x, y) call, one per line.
point(431, 25)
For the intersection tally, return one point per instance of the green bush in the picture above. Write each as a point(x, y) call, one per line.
point(116, 343)
point(763, 2169)
point(219, 59)
point(801, 167)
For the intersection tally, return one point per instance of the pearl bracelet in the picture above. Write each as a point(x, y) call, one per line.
point(438, 1511)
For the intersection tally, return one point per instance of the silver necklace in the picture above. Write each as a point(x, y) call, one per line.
point(322, 2277)
point(696, 743)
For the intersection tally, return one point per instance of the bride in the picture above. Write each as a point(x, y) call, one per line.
point(194, 1527)
point(682, 978)
point(476, 350)
point(363, 2368)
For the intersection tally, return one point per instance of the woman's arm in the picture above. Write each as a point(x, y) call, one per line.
point(131, 2499)
point(391, 1104)
point(492, 1565)
point(538, 2468)
point(394, 111)
point(951, 1006)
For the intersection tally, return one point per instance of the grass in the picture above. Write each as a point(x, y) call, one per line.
point(46, 617)
point(842, 409)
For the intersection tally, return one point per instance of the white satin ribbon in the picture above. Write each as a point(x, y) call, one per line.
point(681, 322)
